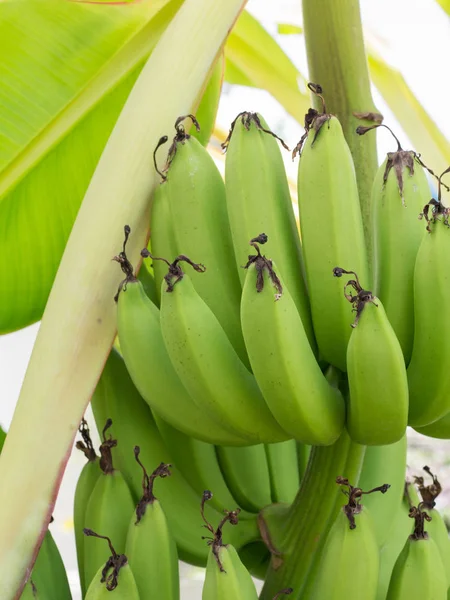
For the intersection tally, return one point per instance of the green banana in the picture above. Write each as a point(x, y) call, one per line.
point(133, 425)
point(85, 484)
point(247, 475)
point(150, 547)
point(195, 194)
point(438, 429)
point(436, 527)
point(148, 283)
point(286, 370)
point(399, 192)
point(108, 509)
point(402, 527)
point(377, 410)
point(258, 199)
point(197, 462)
point(282, 460)
point(331, 229)
point(49, 574)
point(429, 369)
point(349, 563)
point(419, 571)
point(115, 577)
point(226, 577)
point(386, 463)
point(144, 352)
point(208, 365)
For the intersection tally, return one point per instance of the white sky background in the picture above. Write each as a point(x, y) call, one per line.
point(412, 34)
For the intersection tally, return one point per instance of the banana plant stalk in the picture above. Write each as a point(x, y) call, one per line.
point(79, 323)
point(337, 61)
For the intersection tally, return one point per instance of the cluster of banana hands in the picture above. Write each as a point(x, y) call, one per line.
point(231, 367)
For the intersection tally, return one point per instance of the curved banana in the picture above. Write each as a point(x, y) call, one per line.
point(402, 527)
point(113, 577)
point(377, 410)
point(349, 562)
point(399, 192)
point(148, 283)
point(286, 370)
point(108, 510)
point(283, 461)
point(226, 577)
point(384, 463)
point(85, 484)
point(49, 574)
point(149, 365)
point(247, 475)
point(133, 425)
point(258, 199)
point(419, 571)
point(195, 194)
point(429, 369)
point(438, 429)
point(436, 527)
point(197, 462)
point(150, 547)
point(331, 230)
point(208, 365)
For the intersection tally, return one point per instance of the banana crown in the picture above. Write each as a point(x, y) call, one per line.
point(362, 296)
point(86, 445)
point(163, 470)
point(110, 572)
point(354, 494)
point(216, 541)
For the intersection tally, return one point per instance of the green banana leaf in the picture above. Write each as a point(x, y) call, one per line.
point(65, 73)
point(445, 4)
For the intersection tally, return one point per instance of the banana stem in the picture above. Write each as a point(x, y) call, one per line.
point(79, 323)
point(337, 61)
point(311, 515)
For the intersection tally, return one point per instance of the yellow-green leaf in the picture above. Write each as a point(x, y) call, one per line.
point(65, 73)
point(254, 56)
point(289, 29)
point(416, 122)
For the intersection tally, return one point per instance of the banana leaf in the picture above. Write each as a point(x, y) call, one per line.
point(66, 71)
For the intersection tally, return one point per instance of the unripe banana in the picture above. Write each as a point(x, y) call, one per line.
point(429, 369)
point(150, 547)
point(133, 425)
point(108, 510)
point(197, 462)
point(208, 365)
point(402, 527)
point(114, 577)
point(399, 192)
point(286, 370)
point(195, 194)
point(377, 411)
point(85, 484)
point(247, 475)
point(386, 463)
point(258, 199)
point(349, 562)
point(438, 429)
point(436, 527)
point(49, 574)
point(226, 577)
point(282, 460)
point(149, 365)
point(419, 571)
point(331, 230)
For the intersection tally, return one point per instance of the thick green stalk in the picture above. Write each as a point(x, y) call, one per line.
point(337, 61)
point(301, 537)
point(79, 322)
